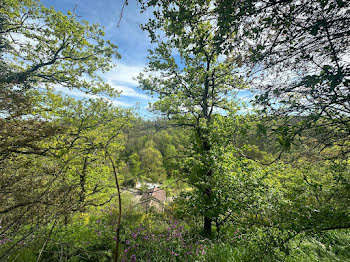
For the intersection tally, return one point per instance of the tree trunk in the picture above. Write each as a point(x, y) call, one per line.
point(207, 226)
point(207, 220)
point(117, 237)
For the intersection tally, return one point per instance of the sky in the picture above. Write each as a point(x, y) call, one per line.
point(132, 43)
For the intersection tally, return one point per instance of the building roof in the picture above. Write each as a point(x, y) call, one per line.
point(155, 193)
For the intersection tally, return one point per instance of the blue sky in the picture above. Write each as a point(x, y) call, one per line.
point(131, 40)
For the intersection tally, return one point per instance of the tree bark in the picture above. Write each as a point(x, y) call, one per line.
point(116, 253)
point(207, 226)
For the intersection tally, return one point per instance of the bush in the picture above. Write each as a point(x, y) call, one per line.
point(172, 244)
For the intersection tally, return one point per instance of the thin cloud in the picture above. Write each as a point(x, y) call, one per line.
point(130, 92)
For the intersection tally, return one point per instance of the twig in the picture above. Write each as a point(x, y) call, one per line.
point(121, 12)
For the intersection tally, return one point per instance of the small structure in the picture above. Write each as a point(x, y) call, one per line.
point(153, 198)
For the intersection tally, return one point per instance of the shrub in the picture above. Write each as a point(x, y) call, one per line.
point(172, 244)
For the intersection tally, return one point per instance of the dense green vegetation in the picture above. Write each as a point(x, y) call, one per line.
point(268, 180)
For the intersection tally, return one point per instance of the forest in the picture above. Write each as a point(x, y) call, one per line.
point(243, 153)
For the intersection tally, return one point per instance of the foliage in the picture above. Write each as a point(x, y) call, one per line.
point(45, 47)
point(274, 185)
point(300, 50)
point(52, 147)
point(193, 87)
point(295, 53)
point(69, 177)
point(152, 162)
point(151, 155)
point(43, 50)
point(171, 245)
point(303, 45)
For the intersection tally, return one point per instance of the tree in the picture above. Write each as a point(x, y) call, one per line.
point(52, 158)
point(195, 88)
point(135, 165)
point(301, 50)
point(297, 52)
point(42, 49)
point(152, 163)
point(72, 176)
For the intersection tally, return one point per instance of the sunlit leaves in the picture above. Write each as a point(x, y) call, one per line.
point(49, 48)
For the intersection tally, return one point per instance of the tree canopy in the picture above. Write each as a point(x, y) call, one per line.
point(41, 47)
point(295, 52)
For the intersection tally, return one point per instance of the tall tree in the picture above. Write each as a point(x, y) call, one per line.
point(196, 86)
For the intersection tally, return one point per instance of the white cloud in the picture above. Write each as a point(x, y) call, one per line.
point(122, 78)
point(123, 74)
